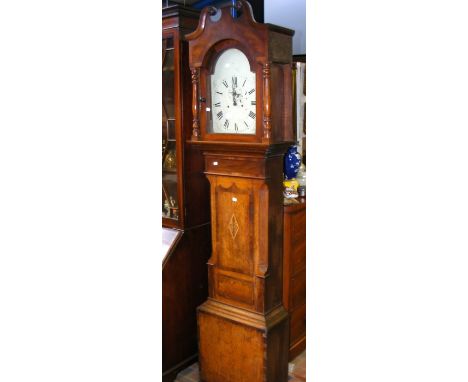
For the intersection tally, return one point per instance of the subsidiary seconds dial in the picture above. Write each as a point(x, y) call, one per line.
point(233, 95)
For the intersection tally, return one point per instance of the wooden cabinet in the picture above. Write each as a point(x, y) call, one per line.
point(185, 197)
point(185, 201)
point(294, 274)
point(184, 284)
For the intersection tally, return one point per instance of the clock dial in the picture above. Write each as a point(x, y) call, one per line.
point(233, 95)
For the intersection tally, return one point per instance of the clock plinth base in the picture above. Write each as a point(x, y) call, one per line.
point(237, 345)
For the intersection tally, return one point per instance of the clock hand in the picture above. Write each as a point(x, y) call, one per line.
point(233, 94)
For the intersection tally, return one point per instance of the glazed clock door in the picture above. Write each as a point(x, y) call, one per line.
point(233, 95)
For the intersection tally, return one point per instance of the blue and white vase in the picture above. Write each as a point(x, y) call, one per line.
point(292, 161)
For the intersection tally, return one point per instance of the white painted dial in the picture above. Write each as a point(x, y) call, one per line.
point(233, 95)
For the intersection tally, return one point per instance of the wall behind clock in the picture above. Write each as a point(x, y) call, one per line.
point(289, 14)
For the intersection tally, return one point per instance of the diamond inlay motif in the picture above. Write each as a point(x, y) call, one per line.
point(233, 226)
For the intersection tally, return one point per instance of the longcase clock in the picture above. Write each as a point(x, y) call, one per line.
point(242, 122)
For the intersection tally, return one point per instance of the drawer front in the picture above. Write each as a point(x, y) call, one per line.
point(297, 324)
point(298, 257)
point(298, 226)
point(298, 289)
point(234, 166)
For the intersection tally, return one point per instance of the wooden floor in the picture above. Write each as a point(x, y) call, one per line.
point(297, 371)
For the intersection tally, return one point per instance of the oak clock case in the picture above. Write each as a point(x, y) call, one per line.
point(243, 326)
point(186, 220)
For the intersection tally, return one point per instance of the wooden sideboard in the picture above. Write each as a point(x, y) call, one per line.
point(294, 274)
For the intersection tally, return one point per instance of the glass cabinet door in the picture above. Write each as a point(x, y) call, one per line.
point(170, 197)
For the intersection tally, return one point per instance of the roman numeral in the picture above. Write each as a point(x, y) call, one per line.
point(226, 124)
point(235, 127)
point(234, 81)
point(219, 93)
point(225, 83)
point(253, 102)
point(252, 115)
point(244, 83)
point(220, 115)
point(218, 104)
point(245, 123)
point(251, 91)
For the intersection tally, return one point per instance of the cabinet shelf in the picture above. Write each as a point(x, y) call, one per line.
point(169, 175)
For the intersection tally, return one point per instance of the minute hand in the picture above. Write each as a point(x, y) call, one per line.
point(233, 94)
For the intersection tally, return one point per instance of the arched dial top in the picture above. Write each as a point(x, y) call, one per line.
point(241, 73)
point(233, 95)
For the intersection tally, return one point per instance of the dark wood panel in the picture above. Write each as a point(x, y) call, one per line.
point(298, 289)
point(298, 256)
point(298, 324)
point(297, 348)
point(299, 226)
point(294, 273)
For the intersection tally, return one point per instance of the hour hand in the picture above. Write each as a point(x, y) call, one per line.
point(234, 89)
point(234, 95)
